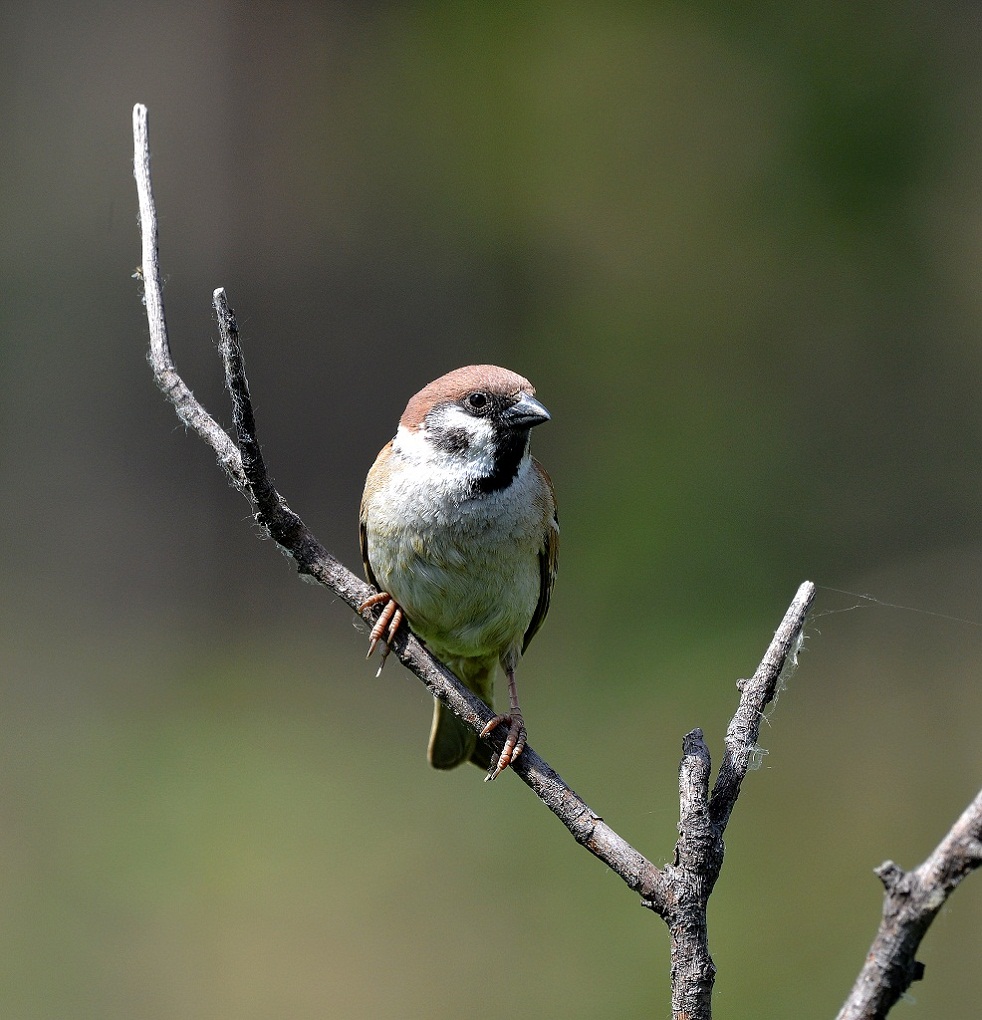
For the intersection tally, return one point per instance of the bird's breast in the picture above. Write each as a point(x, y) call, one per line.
point(465, 570)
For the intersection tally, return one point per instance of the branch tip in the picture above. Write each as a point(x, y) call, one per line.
point(890, 874)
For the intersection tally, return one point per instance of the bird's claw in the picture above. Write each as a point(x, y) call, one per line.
point(514, 742)
point(386, 626)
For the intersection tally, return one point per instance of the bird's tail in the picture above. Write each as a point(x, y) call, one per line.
point(453, 742)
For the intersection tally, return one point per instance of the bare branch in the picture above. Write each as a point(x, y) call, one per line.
point(678, 893)
point(248, 471)
point(912, 902)
point(690, 879)
point(755, 695)
point(698, 859)
point(165, 374)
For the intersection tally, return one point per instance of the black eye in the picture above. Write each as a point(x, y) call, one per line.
point(477, 402)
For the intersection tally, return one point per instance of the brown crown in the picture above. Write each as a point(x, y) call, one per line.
point(454, 386)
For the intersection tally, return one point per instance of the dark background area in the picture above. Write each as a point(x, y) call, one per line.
point(738, 253)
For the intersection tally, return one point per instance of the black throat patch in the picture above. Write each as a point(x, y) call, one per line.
point(509, 449)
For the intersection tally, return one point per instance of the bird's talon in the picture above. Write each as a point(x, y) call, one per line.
point(386, 648)
point(514, 742)
point(393, 627)
point(493, 723)
point(387, 625)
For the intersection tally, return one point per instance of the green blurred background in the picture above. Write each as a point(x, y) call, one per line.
point(736, 247)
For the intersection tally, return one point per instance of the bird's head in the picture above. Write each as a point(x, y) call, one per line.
point(475, 420)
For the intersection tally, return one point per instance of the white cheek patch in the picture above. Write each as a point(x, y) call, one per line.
point(473, 456)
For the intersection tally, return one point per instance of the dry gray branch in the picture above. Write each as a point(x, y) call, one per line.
point(703, 818)
point(678, 893)
point(165, 374)
point(912, 901)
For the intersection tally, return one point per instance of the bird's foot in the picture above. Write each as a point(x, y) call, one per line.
point(514, 742)
point(386, 626)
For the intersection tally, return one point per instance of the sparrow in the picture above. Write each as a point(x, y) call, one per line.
point(460, 536)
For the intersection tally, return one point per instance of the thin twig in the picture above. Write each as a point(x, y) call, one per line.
point(911, 903)
point(165, 374)
point(755, 695)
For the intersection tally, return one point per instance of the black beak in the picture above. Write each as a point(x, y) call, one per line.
point(525, 413)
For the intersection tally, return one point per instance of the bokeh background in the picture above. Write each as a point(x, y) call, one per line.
point(739, 251)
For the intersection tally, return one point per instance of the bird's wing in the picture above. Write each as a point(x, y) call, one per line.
point(548, 554)
point(370, 484)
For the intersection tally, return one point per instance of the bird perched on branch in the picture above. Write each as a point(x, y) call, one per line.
point(459, 534)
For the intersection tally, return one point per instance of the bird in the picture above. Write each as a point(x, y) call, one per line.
point(459, 533)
